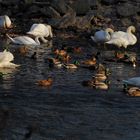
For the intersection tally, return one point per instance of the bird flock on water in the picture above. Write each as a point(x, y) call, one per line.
point(40, 32)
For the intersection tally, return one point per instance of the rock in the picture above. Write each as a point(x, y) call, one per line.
point(60, 6)
point(81, 6)
point(108, 2)
point(50, 12)
point(126, 10)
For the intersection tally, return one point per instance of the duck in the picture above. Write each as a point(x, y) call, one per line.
point(90, 62)
point(101, 85)
point(47, 82)
point(99, 77)
point(70, 66)
point(40, 29)
point(60, 52)
point(5, 22)
point(54, 62)
point(5, 60)
point(102, 36)
point(134, 81)
point(134, 91)
point(24, 40)
point(23, 50)
point(123, 39)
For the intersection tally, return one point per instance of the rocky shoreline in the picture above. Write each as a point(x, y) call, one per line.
point(85, 15)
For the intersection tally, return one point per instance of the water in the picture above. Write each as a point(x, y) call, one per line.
point(67, 110)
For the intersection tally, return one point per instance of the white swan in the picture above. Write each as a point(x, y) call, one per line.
point(5, 22)
point(42, 30)
point(24, 40)
point(5, 60)
point(123, 39)
point(102, 36)
point(135, 81)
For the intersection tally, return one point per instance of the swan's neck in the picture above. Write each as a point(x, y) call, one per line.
point(37, 40)
point(131, 29)
point(109, 30)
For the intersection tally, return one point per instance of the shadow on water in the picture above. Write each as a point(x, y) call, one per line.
point(67, 110)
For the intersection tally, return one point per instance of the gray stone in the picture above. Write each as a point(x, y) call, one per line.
point(60, 6)
point(126, 10)
point(81, 6)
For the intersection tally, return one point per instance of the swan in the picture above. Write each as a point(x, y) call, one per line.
point(42, 30)
point(135, 81)
point(5, 60)
point(123, 39)
point(24, 40)
point(102, 36)
point(5, 22)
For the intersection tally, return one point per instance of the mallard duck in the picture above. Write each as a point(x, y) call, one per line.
point(53, 62)
point(90, 62)
point(119, 55)
point(70, 66)
point(40, 29)
point(24, 40)
point(60, 52)
point(134, 91)
point(5, 60)
point(123, 39)
point(100, 85)
point(99, 77)
point(102, 36)
point(48, 82)
point(5, 22)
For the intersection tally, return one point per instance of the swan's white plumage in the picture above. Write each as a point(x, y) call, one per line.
point(24, 40)
point(5, 60)
point(5, 21)
point(102, 36)
point(40, 30)
point(123, 39)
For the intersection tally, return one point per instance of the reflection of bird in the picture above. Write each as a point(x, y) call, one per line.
point(5, 22)
point(41, 30)
point(123, 39)
point(102, 36)
point(5, 60)
point(24, 40)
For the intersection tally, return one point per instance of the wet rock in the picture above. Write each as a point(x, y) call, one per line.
point(50, 12)
point(108, 2)
point(60, 6)
point(67, 20)
point(81, 6)
point(84, 22)
point(126, 10)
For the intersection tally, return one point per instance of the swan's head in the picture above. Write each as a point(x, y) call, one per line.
point(131, 29)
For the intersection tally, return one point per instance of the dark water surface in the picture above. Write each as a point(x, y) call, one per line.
point(67, 110)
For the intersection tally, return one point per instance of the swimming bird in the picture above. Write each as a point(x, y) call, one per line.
point(102, 36)
point(5, 60)
point(24, 40)
point(5, 22)
point(123, 39)
point(42, 30)
point(47, 82)
point(135, 81)
point(134, 91)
